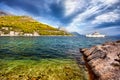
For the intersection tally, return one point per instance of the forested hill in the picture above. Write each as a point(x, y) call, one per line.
point(24, 25)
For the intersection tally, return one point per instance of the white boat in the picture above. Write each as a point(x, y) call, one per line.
point(95, 34)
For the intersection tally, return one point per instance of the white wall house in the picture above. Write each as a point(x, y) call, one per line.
point(36, 34)
point(12, 33)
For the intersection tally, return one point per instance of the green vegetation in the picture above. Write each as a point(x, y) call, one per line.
point(25, 24)
point(45, 69)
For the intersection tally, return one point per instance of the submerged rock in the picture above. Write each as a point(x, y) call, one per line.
point(103, 61)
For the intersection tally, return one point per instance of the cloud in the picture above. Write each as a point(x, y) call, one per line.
point(81, 18)
point(107, 17)
point(73, 6)
point(111, 1)
point(98, 11)
point(106, 2)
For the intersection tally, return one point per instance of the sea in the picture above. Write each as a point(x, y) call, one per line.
point(45, 57)
point(46, 47)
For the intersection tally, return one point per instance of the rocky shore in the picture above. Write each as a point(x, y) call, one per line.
point(103, 61)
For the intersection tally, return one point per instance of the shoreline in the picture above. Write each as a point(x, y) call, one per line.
point(35, 36)
point(103, 61)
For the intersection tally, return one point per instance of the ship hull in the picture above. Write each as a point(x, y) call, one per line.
point(95, 35)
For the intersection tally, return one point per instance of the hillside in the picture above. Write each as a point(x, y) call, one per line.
point(24, 25)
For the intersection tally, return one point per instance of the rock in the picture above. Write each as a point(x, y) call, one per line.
point(103, 61)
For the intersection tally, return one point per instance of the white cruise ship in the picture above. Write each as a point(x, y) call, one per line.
point(95, 34)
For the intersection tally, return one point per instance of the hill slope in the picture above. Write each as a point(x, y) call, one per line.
point(24, 25)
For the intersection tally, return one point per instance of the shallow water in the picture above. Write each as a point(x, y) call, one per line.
point(44, 58)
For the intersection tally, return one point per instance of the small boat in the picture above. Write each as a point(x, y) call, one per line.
point(95, 34)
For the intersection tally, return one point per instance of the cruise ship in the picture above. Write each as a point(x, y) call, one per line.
point(95, 34)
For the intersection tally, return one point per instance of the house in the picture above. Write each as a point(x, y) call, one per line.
point(35, 34)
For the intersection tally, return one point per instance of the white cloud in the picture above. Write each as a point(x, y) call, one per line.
point(78, 21)
point(72, 6)
point(95, 7)
point(111, 1)
point(106, 2)
point(81, 17)
point(106, 17)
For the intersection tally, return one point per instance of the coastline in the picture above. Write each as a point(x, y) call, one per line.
point(34, 36)
point(103, 61)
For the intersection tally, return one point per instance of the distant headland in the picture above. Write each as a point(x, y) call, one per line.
point(11, 25)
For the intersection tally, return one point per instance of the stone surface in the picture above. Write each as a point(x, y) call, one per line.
point(103, 61)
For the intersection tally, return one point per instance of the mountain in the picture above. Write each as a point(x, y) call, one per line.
point(2, 13)
point(25, 25)
point(76, 34)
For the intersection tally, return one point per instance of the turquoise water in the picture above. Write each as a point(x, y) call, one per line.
point(35, 48)
point(45, 58)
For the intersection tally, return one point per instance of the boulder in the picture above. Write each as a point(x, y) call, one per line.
point(103, 61)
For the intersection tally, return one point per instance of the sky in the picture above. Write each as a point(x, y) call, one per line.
point(82, 16)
